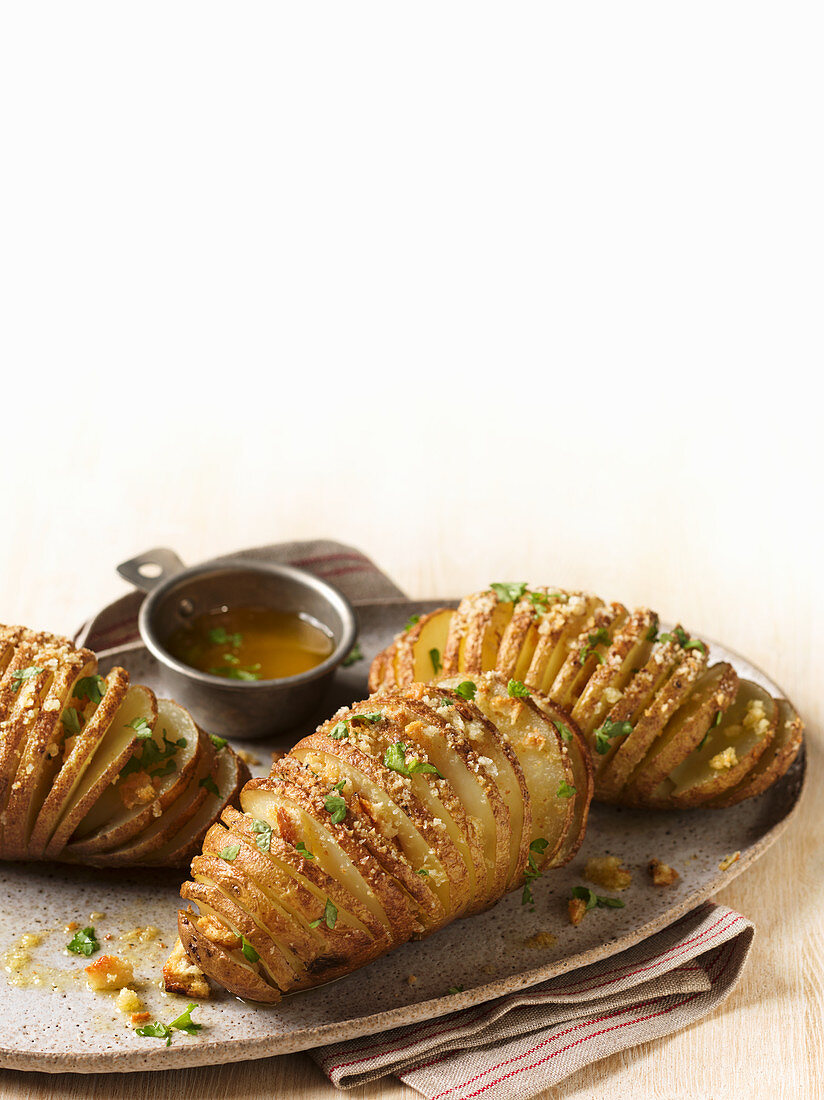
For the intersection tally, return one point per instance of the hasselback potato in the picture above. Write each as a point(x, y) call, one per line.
point(398, 815)
point(666, 728)
point(96, 770)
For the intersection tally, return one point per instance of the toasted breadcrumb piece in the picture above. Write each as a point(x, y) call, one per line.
point(723, 760)
point(728, 861)
point(141, 1017)
point(180, 975)
point(218, 933)
point(411, 979)
point(128, 1000)
point(136, 790)
point(577, 910)
point(277, 754)
point(662, 874)
point(607, 871)
point(109, 973)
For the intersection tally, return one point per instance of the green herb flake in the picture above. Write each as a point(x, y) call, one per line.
point(719, 714)
point(230, 852)
point(456, 989)
point(517, 690)
point(422, 871)
point(301, 848)
point(83, 942)
point(652, 633)
point(598, 637)
point(435, 658)
point(531, 872)
point(411, 621)
point(158, 1030)
point(263, 834)
point(339, 731)
point(219, 635)
point(366, 719)
point(248, 951)
point(152, 759)
point(141, 727)
point(565, 731)
point(330, 916)
point(565, 790)
point(354, 655)
point(508, 593)
point(467, 690)
point(92, 688)
point(592, 899)
point(209, 784)
point(335, 806)
point(607, 731)
point(218, 742)
point(395, 759)
point(72, 721)
point(23, 674)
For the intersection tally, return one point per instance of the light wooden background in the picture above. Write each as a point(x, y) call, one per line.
point(492, 293)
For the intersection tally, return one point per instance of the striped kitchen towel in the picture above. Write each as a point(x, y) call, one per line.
point(519, 1045)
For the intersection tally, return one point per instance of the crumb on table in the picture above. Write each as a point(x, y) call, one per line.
point(662, 874)
point(607, 871)
point(109, 973)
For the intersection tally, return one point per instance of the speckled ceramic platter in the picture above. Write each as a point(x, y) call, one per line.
point(51, 1022)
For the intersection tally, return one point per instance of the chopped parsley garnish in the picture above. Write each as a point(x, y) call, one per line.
point(598, 637)
point(141, 727)
point(339, 731)
point(592, 899)
point(719, 714)
point(153, 760)
point(263, 834)
point(230, 673)
point(83, 942)
point(680, 636)
point(355, 654)
point(467, 690)
point(230, 852)
point(565, 731)
point(92, 688)
point(209, 784)
point(218, 742)
point(248, 951)
point(422, 871)
point(565, 790)
point(517, 690)
point(395, 759)
point(157, 1030)
point(330, 915)
point(456, 989)
point(607, 731)
point(411, 621)
point(509, 593)
point(538, 846)
point(652, 633)
point(72, 722)
point(219, 635)
point(435, 658)
point(702, 742)
point(301, 848)
point(335, 805)
point(23, 674)
point(369, 719)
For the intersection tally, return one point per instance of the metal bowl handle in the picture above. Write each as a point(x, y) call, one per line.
point(151, 568)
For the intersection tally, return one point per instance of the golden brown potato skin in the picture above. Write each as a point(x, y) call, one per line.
point(398, 815)
point(96, 770)
point(647, 702)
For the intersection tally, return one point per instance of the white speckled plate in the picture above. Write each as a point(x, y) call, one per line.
point(59, 1026)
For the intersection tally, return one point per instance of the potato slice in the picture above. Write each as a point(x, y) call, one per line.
point(117, 816)
point(584, 653)
point(334, 849)
point(728, 750)
point(712, 692)
point(235, 974)
point(631, 646)
point(582, 778)
point(416, 647)
point(670, 676)
point(557, 628)
point(39, 758)
point(95, 761)
point(229, 775)
point(78, 750)
point(773, 762)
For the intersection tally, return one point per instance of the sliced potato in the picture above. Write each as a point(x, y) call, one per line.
point(773, 762)
point(584, 652)
point(236, 974)
point(417, 647)
point(557, 629)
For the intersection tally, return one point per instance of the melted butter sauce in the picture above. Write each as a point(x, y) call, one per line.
point(251, 643)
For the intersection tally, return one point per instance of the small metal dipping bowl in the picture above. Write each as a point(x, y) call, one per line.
point(237, 708)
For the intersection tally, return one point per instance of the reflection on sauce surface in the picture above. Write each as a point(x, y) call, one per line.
point(251, 643)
